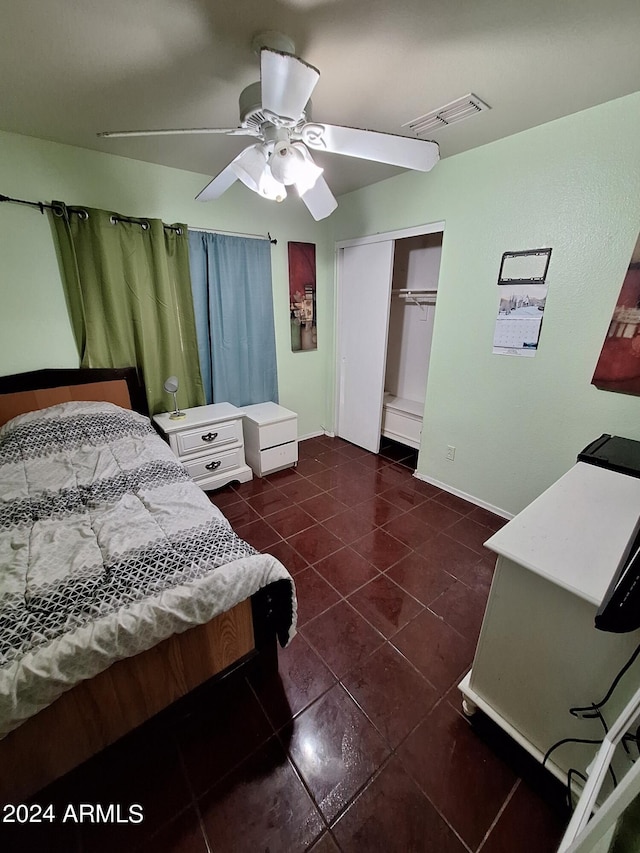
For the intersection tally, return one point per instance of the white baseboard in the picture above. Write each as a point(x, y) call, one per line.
point(318, 434)
point(460, 494)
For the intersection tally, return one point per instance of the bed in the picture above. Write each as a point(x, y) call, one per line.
point(122, 587)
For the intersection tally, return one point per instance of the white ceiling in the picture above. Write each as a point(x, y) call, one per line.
point(71, 68)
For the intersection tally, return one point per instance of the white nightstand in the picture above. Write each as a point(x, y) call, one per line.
point(209, 442)
point(270, 437)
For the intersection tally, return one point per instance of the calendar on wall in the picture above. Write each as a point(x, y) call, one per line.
point(522, 296)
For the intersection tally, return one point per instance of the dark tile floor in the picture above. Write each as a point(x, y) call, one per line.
point(359, 744)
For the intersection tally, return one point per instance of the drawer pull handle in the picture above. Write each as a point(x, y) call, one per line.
point(213, 465)
point(210, 436)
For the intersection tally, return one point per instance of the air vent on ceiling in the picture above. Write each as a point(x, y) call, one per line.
point(466, 107)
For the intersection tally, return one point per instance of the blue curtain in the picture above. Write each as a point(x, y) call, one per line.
point(233, 304)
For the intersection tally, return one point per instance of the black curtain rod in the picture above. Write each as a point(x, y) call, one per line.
point(58, 210)
point(39, 204)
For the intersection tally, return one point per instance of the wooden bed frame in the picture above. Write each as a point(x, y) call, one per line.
point(97, 712)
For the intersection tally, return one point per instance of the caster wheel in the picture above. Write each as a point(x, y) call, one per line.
point(469, 708)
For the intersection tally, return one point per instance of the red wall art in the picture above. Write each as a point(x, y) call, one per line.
point(302, 296)
point(618, 368)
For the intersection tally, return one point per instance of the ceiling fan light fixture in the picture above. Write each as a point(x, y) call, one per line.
point(309, 173)
point(270, 188)
point(285, 163)
point(291, 163)
point(252, 169)
point(249, 167)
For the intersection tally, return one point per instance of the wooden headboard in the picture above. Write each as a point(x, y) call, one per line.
point(27, 392)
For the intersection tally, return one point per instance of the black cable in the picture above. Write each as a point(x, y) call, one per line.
point(573, 772)
point(567, 740)
point(578, 740)
point(577, 711)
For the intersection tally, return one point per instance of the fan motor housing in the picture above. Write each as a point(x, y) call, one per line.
point(251, 112)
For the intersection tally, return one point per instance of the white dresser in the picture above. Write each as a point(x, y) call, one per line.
point(270, 437)
point(209, 441)
point(539, 653)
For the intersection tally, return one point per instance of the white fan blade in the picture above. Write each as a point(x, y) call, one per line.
point(219, 184)
point(230, 131)
point(319, 200)
point(286, 83)
point(419, 154)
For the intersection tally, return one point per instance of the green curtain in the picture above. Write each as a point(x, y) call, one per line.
point(128, 290)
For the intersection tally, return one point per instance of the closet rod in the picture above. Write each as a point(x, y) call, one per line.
point(235, 234)
point(409, 291)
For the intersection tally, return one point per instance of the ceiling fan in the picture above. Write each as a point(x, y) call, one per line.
point(277, 112)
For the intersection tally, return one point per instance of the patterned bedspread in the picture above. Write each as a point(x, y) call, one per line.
point(106, 548)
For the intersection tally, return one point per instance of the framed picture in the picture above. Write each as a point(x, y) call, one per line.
point(302, 296)
point(618, 367)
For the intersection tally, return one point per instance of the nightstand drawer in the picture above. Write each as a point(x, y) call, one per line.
point(216, 463)
point(213, 436)
point(271, 435)
point(276, 458)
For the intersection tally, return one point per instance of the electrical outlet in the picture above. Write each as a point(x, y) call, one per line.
point(451, 453)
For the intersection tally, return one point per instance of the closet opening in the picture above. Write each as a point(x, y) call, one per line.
point(414, 288)
point(387, 293)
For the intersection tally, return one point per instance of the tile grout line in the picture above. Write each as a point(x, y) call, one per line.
point(508, 799)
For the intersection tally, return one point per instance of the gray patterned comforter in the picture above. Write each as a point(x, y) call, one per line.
point(106, 549)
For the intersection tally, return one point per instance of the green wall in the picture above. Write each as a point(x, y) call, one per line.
point(573, 184)
point(516, 423)
point(34, 326)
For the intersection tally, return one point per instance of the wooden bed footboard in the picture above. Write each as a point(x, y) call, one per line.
point(97, 712)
